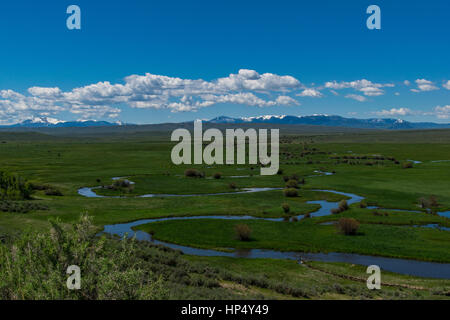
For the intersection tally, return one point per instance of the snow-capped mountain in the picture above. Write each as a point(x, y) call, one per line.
point(335, 121)
point(40, 122)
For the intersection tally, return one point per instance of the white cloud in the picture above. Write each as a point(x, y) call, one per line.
point(104, 99)
point(424, 85)
point(356, 97)
point(407, 83)
point(44, 92)
point(310, 93)
point(367, 87)
point(442, 112)
point(334, 92)
point(446, 85)
point(394, 112)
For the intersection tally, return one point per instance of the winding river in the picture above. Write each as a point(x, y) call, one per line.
point(402, 266)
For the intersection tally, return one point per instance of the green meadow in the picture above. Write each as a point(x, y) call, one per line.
point(372, 164)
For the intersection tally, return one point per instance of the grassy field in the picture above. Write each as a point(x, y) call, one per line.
point(367, 163)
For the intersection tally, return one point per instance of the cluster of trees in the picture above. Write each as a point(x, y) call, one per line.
point(13, 187)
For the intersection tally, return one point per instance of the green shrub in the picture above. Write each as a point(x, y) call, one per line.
point(243, 232)
point(286, 207)
point(343, 205)
point(217, 175)
point(37, 263)
point(428, 203)
point(363, 204)
point(13, 187)
point(407, 165)
point(348, 226)
point(335, 210)
point(53, 192)
point(290, 192)
point(21, 206)
point(192, 173)
point(292, 184)
point(232, 185)
point(122, 185)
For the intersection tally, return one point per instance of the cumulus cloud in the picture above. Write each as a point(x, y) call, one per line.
point(424, 85)
point(446, 85)
point(104, 99)
point(394, 112)
point(356, 97)
point(442, 112)
point(367, 87)
point(310, 93)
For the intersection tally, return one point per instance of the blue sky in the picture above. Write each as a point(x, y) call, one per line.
point(135, 61)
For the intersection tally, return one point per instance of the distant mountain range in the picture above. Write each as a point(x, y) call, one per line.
point(335, 121)
point(44, 122)
point(319, 120)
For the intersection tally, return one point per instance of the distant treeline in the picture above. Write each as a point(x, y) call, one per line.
point(13, 187)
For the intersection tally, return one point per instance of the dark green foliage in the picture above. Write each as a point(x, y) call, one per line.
point(53, 192)
point(217, 175)
point(34, 266)
point(428, 203)
point(20, 206)
point(292, 184)
point(407, 165)
point(286, 207)
point(194, 173)
point(343, 205)
point(122, 185)
point(335, 211)
point(13, 187)
point(290, 192)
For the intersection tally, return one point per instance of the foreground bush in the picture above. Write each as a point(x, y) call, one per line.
point(243, 232)
point(348, 226)
point(34, 267)
point(286, 207)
